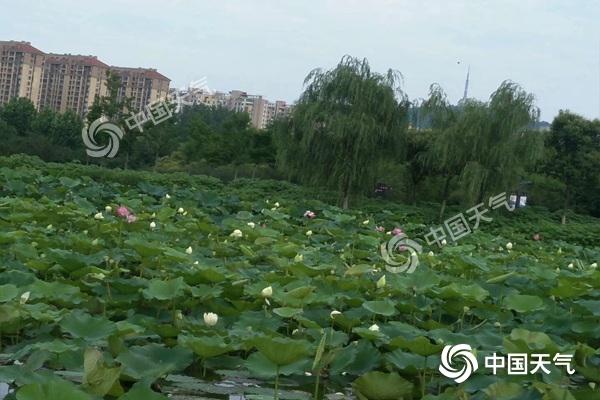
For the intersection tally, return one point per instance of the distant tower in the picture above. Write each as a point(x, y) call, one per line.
point(467, 84)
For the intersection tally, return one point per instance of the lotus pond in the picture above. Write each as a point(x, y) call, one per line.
point(133, 285)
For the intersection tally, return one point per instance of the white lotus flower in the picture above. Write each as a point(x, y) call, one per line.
point(276, 204)
point(309, 233)
point(108, 209)
point(430, 254)
point(559, 251)
point(189, 250)
point(211, 319)
point(570, 266)
point(24, 297)
point(99, 216)
point(167, 196)
point(236, 234)
point(444, 242)
point(334, 313)
point(95, 242)
point(180, 210)
point(381, 282)
point(251, 224)
point(374, 328)
point(594, 266)
point(267, 292)
point(49, 227)
point(366, 222)
point(299, 258)
point(152, 225)
point(509, 246)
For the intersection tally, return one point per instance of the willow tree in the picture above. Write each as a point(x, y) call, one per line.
point(486, 146)
point(343, 123)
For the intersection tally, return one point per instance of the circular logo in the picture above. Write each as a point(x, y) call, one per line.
point(459, 352)
point(391, 254)
point(101, 125)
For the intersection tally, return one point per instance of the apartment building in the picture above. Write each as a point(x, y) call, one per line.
point(21, 67)
point(261, 111)
point(142, 86)
point(72, 82)
point(64, 82)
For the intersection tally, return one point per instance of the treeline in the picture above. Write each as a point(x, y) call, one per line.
point(351, 129)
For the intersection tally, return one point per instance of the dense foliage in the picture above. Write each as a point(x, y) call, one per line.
point(352, 129)
point(116, 302)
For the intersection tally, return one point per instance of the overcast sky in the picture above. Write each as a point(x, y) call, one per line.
point(552, 48)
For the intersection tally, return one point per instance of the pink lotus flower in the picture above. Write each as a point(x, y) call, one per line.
point(131, 218)
point(309, 214)
point(380, 229)
point(397, 231)
point(123, 212)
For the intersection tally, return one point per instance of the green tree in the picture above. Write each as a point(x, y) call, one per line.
point(574, 159)
point(485, 146)
point(344, 120)
point(19, 112)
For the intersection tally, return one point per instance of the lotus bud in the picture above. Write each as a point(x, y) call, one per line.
point(189, 250)
point(267, 292)
point(509, 246)
point(108, 209)
point(236, 234)
point(152, 225)
point(211, 319)
point(99, 216)
point(24, 297)
point(366, 222)
point(167, 196)
point(381, 282)
point(309, 233)
point(444, 242)
point(570, 266)
point(334, 313)
point(594, 266)
point(430, 254)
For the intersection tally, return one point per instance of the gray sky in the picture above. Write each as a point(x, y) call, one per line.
point(267, 47)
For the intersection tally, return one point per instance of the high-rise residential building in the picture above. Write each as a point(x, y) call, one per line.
point(20, 71)
point(261, 111)
point(142, 86)
point(72, 82)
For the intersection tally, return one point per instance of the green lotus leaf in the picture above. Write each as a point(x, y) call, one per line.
point(85, 326)
point(282, 351)
point(382, 307)
point(523, 303)
point(153, 361)
point(56, 389)
point(381, 386)
point(165, 290)
point(205, 346)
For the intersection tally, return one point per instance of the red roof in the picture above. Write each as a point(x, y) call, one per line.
point(85, 60)
point(148, 72)
point(24, 47)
